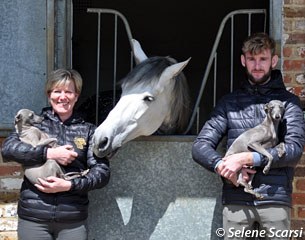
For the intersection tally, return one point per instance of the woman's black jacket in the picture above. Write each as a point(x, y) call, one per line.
point(241, 110)
point(71, 206)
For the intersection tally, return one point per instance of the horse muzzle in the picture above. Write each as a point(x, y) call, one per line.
point(103, 148)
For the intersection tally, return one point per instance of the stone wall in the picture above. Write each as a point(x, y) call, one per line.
point(294, 77)
point(23, 58)
point(157, 192)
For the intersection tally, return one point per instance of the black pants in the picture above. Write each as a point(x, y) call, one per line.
point(28, 230)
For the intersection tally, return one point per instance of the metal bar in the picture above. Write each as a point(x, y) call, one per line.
point(197, 125)
point(115, 59)
point(115, 12)
point(66, 35)
point(232, 53)
point(210, 61)
point(215, 79)
point(62, 58)
point(69, 24)
point(249, 24)
point(50, 36)
point(98, 68)
point(265, 22)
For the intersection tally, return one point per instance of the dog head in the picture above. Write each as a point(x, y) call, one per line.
point(26, 117)
point(275, 109)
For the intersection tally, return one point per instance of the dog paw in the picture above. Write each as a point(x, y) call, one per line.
point(259, 196)
point(281, 149)
point(266, 170)
point(256, 194)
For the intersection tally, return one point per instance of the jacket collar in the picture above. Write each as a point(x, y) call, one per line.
point(276, 82)
point(47, 112)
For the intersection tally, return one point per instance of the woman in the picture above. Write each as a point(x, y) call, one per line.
point(56, 208)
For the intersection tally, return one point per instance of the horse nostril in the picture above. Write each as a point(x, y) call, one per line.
point(103, 144)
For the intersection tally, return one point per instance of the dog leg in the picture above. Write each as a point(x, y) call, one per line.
point(49, 141)
point(268, 166)
point(72, 175)
point(258, 148)
point(248, 187)
point(49, 168)
point(281, 149)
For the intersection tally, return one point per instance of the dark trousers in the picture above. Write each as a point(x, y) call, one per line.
point(28, 230)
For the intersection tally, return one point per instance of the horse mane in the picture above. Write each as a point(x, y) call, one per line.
point(149, 71)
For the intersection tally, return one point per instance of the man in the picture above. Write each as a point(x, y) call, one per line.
point(237, 112)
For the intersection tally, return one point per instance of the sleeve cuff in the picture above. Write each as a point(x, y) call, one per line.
point(256, 159)
point(215, 168)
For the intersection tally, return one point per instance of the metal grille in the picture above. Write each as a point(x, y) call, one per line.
point(116, 16)
point(213, 58)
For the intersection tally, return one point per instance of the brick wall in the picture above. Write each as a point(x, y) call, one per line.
point(298, 211)
point(10, 181)
point(294, 45)
point(294, 77)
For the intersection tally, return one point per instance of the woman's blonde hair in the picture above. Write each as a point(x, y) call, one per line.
point(61, 77)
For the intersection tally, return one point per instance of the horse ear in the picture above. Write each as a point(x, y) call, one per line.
point(139, 54)
point(175, 69)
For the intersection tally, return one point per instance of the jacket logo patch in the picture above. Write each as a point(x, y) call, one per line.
point(80, 142)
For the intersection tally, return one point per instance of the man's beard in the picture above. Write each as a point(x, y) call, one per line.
point(261, 80)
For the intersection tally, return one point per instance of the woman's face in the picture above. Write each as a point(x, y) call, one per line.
point(62, 99)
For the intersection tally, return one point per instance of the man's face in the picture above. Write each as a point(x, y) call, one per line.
point(259, 66)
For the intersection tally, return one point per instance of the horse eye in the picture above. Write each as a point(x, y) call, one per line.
point(148, 98)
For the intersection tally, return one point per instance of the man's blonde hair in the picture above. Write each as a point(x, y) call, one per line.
point(257, 43)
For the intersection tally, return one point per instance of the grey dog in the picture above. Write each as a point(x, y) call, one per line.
point(24, 121)
point(259, 138)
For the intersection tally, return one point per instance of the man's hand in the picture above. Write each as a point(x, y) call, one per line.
point(53, 185)
point(244, 158)
point(64, 155)
point(232, 164)
point(246, 174)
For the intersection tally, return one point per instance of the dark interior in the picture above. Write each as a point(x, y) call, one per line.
point(175, 28)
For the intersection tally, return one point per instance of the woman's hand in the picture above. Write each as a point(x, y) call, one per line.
point(53, 185)
point(64, 155)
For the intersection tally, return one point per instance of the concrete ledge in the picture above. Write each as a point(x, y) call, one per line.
point(5, 130)
point(168, 138)
point(156, 191)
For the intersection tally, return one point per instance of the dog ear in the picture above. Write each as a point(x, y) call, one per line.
point(266, 107)
point(18, 118)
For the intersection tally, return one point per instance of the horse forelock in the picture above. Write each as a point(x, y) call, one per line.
point(180, 104)
point(148, 73)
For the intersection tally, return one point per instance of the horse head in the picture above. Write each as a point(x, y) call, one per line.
point(154, 96)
